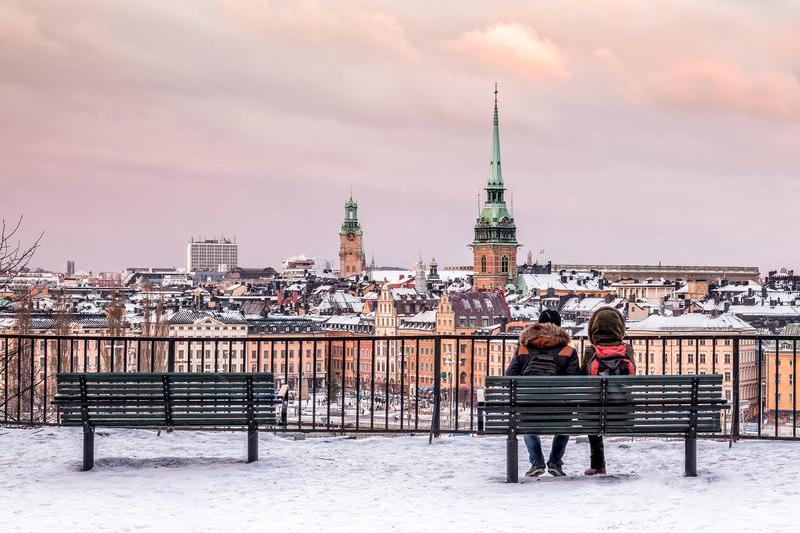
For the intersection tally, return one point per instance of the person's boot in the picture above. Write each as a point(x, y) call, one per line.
point(595, 471)
point(534, 471)
point(555, 470)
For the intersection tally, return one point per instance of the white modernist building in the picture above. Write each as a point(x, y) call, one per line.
point(212, 255)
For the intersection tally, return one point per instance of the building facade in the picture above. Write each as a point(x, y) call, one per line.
point(495, 244)
point(212, 255)
point(699, 355)
point(352, 261)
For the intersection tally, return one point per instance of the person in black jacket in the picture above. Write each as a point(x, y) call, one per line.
point(544, 350)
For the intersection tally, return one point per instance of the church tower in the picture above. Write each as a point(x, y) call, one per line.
point(351, 246)
point(495, 244)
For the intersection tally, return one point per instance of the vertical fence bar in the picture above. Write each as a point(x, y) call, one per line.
point(777, 382)
point(44, 395)
point(680, 356)
point(344, 383)
point(358, 382)
point(437, 387)
point(171, 355)
point(663, 357)
point(97, 345)
point(313, 381)
point(5, 380)
point(503, 347)
point(374, 360)
point(471, 384)
point(386, 390)
point(272, 358)
point(58, 371)
point(125, 355)
point(216, 354)
point(152, 355)
point(230, 356)
point(760, 410)
point(258, 357)
point(416, 391)
point(33, 383)
point(286, 362)
point(647, 357)
point(300, 388)
point(794, 388)
point(328, 382)
point(138, 355)
point(402, 380)
point(714, 355)
point(203, 355)
point(696, 357)
point(456, 382)
point(735, 392)
point(19, 350)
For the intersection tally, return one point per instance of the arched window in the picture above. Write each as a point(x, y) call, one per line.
point(504, 265)
point(483, 263)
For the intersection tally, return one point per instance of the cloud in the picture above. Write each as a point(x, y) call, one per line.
point(715, 85)
point(516, 48)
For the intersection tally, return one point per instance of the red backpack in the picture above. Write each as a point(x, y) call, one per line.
point(612, 361)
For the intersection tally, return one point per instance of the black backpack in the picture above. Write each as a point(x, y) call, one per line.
point(543, 362)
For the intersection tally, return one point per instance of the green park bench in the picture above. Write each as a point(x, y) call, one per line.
point(171, 400)
point(601, 405)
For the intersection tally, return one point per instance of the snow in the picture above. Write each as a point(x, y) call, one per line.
point(197, 481)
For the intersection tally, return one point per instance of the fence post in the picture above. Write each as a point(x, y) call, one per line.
point(171, 355)
point(437, 388)
point(735, 393)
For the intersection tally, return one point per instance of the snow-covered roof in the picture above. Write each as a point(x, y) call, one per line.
point(691, 322)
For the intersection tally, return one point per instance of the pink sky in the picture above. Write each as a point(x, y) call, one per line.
point(632, 132)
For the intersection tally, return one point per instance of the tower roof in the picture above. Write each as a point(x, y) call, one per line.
point(495, 172)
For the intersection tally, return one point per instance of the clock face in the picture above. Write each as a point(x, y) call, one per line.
point(351, 236)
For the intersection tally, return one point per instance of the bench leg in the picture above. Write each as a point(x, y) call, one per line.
point(252, 444)
point(512, 459)
point(691, 457)
point(88, 448)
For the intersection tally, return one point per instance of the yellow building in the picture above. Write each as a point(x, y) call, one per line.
point(784, 369)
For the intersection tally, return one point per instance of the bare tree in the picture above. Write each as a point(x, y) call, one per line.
point(14, 256)
point(115, 315)
point(15, 365)
point(17, 361)
point(154, 324)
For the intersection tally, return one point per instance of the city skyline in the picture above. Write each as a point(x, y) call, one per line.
point(121, 154)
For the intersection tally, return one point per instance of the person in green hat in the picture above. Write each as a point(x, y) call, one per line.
point(607, 355)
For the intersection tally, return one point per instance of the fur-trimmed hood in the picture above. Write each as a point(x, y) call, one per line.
point(544, 336)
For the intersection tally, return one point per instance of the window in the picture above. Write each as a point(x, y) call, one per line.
point(483, 263)
point(702, 358)
point(504, 264)
point(690, 358)
point(727, 376)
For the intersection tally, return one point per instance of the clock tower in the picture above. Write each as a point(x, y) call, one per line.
point(351, 245)
point(495, 244)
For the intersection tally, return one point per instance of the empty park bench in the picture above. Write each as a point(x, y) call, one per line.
point(601, 405)
point(171, 400)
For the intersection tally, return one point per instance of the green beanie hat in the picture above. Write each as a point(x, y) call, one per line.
point(606, 327)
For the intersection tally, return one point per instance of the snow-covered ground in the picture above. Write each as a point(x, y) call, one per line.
point(197, 481)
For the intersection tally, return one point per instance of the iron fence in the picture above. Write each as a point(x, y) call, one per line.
point(395, 384)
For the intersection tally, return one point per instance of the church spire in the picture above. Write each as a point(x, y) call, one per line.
point(495, 172)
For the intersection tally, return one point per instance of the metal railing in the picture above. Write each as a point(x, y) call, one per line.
point(394, 384)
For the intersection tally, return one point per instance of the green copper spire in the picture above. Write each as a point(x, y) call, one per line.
point(495, 223)
point(495, 172)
